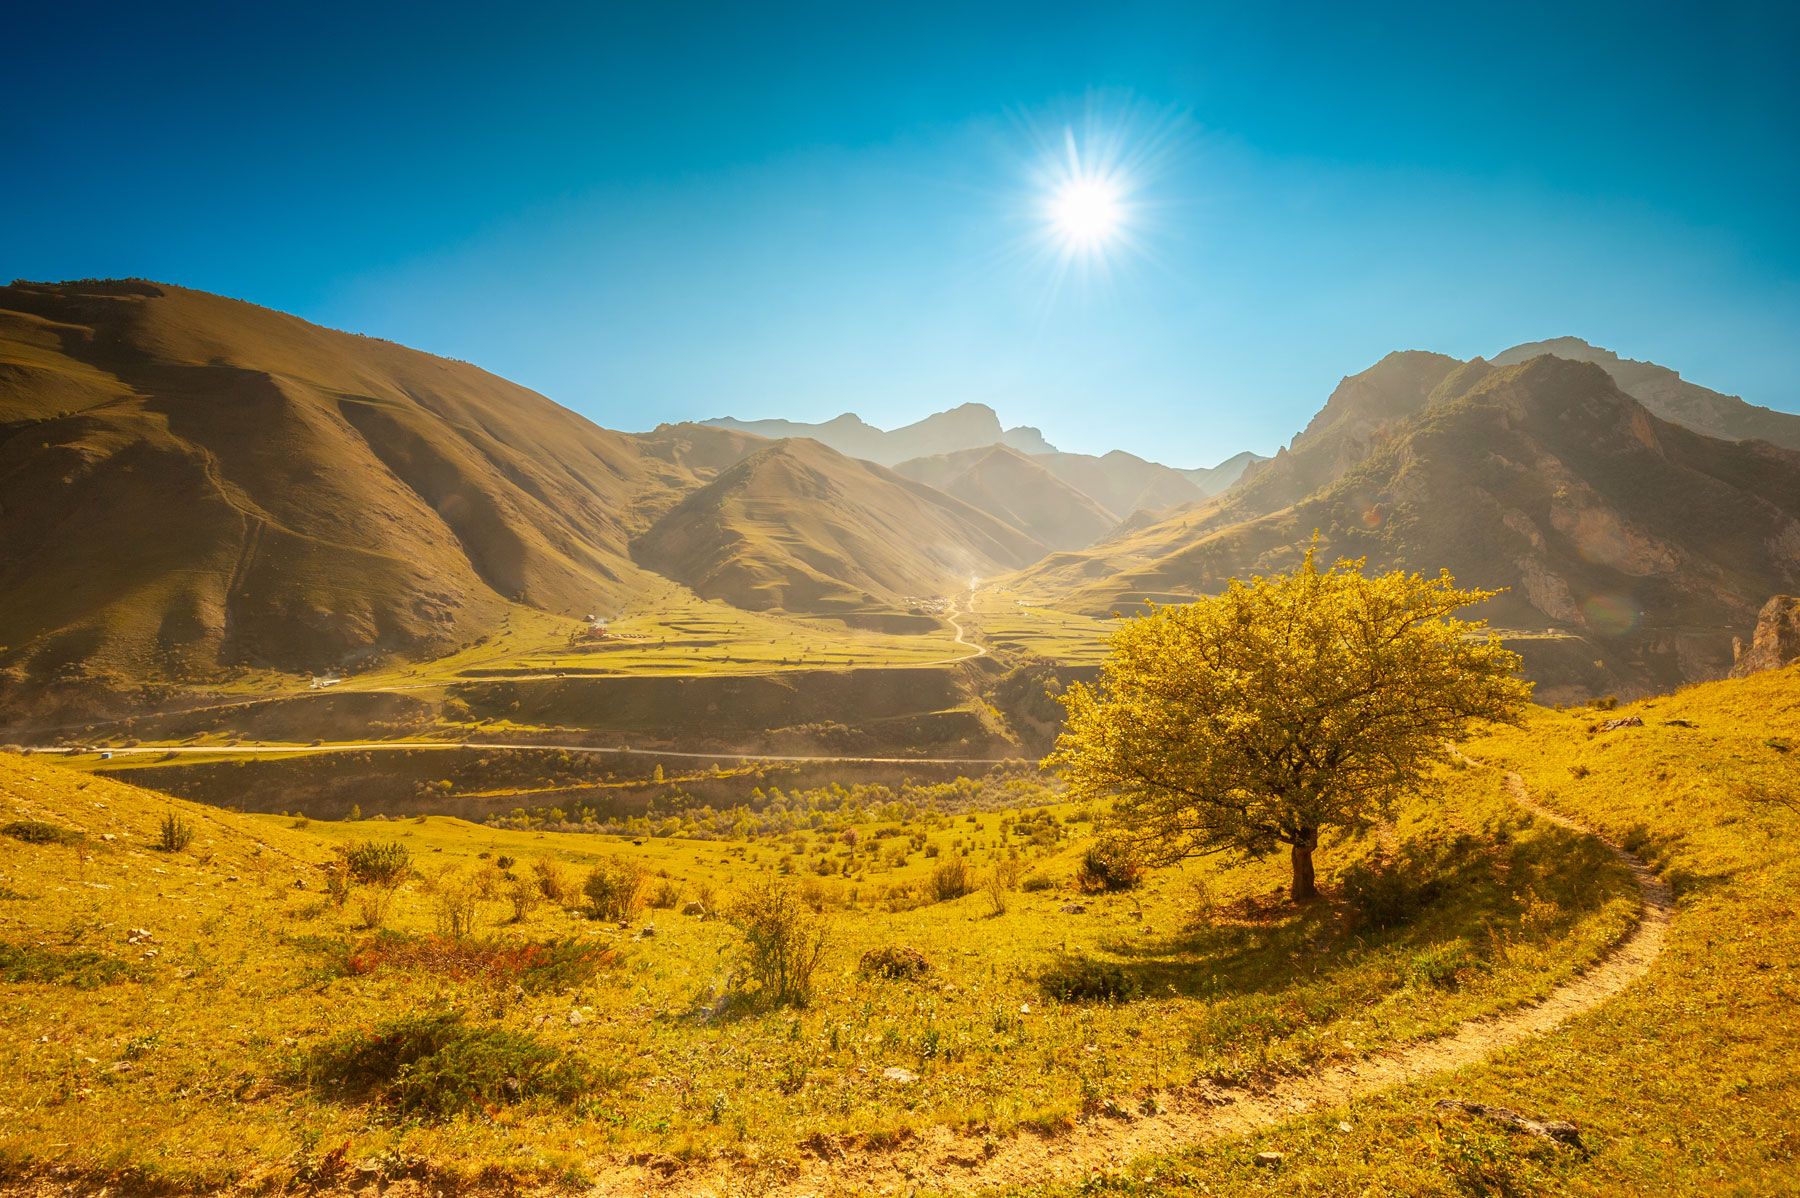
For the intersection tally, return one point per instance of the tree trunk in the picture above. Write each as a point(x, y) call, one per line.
point(1304, 889)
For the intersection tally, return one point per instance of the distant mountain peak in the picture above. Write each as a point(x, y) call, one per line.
point(969, 425)
point(1664, 392)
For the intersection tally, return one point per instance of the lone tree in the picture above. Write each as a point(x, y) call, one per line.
point(1284, 706)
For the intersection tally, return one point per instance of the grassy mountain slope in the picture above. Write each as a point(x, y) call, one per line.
point(189, 483)
point(1650, 543)
point(801, 528)
point(1016, 490)
point(1669, 395)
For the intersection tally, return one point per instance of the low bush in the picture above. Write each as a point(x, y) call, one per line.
point(458, 902)
point(893, 961)
point(1034, 882)
point(1082, 979)
point(665, 895)
point(1108, 867)
point(1392, 891)
point(437, 1066)
point(614, 888)
point(783, 941)
point(1443, 966)
point(555, 882)
point(175, 833)
point(524, 895)
point(952, 879)
point(378, 862)
point(33, 831)
point(372, 905)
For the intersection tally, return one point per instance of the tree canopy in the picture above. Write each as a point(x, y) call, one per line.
point(1284, 706)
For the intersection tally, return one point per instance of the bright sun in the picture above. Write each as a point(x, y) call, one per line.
point(1086, 211)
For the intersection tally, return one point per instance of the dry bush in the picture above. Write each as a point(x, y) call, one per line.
point(524, 895)
point(338, 883)
point(615, 888)
point(951, 879)
point(372, 903)
point(458, 904)
point(998, 892)
point(665, 895)
point(555, 882)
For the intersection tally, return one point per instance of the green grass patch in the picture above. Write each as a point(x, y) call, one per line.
point(81, 968)
point(33, 831)
point(438, 1066)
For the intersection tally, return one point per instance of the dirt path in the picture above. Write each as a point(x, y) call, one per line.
point(962, 638)
point(943, 1160)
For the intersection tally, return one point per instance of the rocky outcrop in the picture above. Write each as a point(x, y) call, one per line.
point(1775, 643)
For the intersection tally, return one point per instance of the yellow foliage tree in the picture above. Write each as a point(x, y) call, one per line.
point(1284, 706)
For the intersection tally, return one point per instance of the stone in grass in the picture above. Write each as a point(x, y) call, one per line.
point(694, 907)
point(904, 1077)
point(1072, 909)
point(1268, 1160)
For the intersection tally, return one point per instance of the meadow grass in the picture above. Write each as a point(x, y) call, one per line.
point(1027, 1018)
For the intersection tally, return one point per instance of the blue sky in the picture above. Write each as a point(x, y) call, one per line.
point(661, 212)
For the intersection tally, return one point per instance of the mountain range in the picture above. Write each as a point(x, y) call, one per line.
point(190, 484)
point(1635, 548)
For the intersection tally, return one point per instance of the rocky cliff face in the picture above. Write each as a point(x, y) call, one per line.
point(1775, 643)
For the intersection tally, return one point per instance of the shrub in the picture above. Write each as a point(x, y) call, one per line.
point(524, 895)
point(1081, 979)
point(783, 941)
point(952, 879)
point(997, 891)
point(893, 961)
point(32, 831)
point(665, 896)
point(436, 1066)
point(1387, 893)
point(175, 833)
point(378, 862)
point(372, 904)
point(554, 882)
point(615, 888)
point(1108, 867)
point(458, 902)
point(1034, 882)
point(337, 883)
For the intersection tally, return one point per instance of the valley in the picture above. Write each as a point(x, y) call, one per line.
point(507, 739)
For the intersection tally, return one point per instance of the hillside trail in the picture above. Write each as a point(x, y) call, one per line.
point(944, 1160)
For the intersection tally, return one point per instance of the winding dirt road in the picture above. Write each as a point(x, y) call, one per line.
point(947, 1160)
